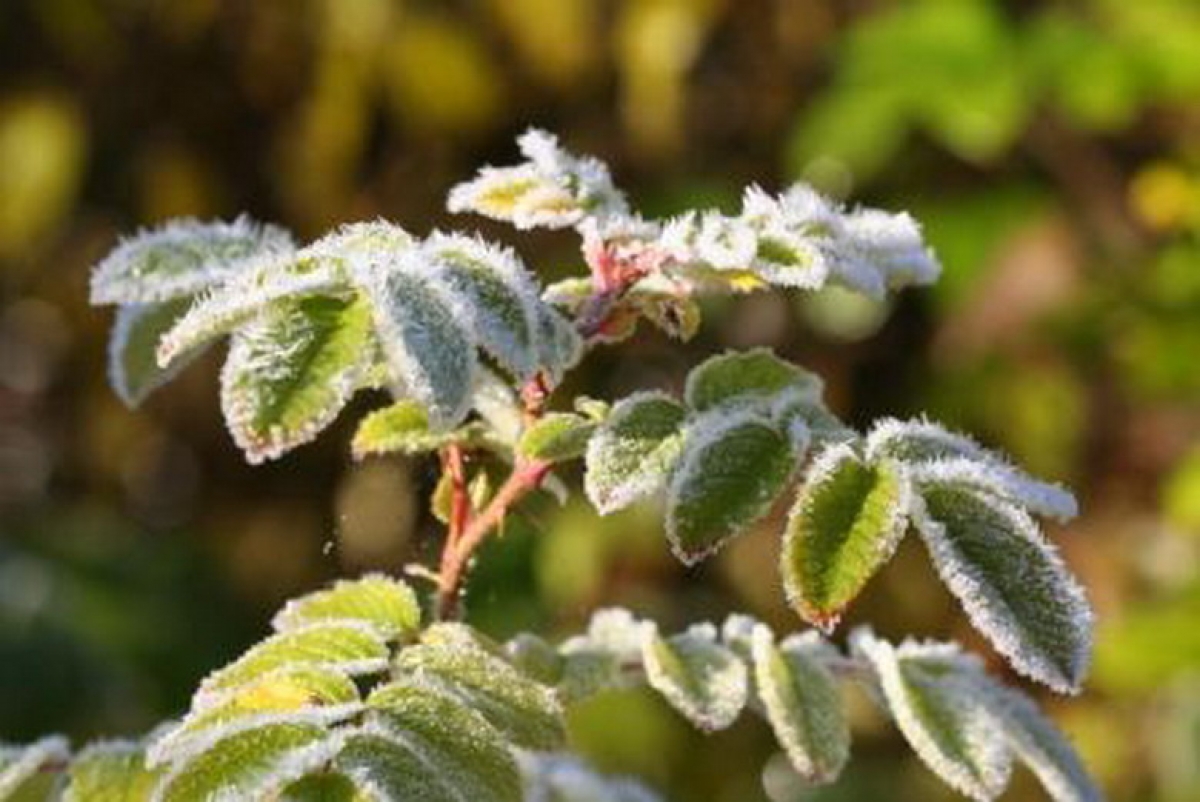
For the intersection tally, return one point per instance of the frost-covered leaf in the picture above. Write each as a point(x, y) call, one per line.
point(388, 605)
point(323, 786)
point(732, 470)
point(493, 294)
point(403, 427)
point(524, 710)
point(701, 679)
point(348, 647)
point(244, 296)
point(431, 356)
point(608, 656)
point(422, 745)
point(535, 658)
point(1011, 582)
point(1039, 745)
point(933, 448)
point(565, 778)
point(133, 369)
point(801, 701)
point(933, 693)
point(742, 376)
point(250, 764)
point(110, 771)
point(551, 189)
point(559, 345)
point(21, 764)
point(182, 258)
point(290, 372)
point(845, 524)
point(634, 450)
point(302, 694)
point(556, 437)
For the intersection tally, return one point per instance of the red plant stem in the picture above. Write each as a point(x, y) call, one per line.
point(525, 478)
point(460, 499)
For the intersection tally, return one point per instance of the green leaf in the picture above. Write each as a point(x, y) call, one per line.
point(301, 694)
point(291, 371)
point(741, 376)
point(348, 647)
point(133, 369)
point(1010, 581)
point(385, 604)
point(431, 356)
point(424, 746)
point(494, 295)
point(732, 471)
point(404, 427)
point(244, 296)
point(933, 693)
point(525, 711)
point(182, 258)
point(535, 657)
point(559, 345)
point(634, 450)
point(326, 786)
point(701, 679)
point(801, 702)
point(21, 764)
point(935, 450)
point(110, 771)
point(556, 437)
point(1039, 745)
point(251, 764)
point(602, 658)
point(845, 524)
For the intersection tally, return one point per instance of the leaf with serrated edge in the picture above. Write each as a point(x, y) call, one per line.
point(431, 356)
point(182, 258)
point(1009, 579)
point(133, 369)
point(931, 692)
point(494, 296)
point(740, 376)
point(226, 307)
point(422, 745)
point(110, 771)
point(634, 450)
point(291, 371)
point(922, 443)
point(296, 694)
point(524, 710)
point(701, 679)
point(1039, 745)
point(604, 657)
point(733, 468)
point(801, 702)
point(348, 647)
point(19, 763)
point(249, 764)
point(556, 437)
point(388, 605)
point(325, 786)
point(559, 345)
point(845, 524)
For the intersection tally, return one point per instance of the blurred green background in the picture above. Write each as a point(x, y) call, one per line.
point(1052, 150)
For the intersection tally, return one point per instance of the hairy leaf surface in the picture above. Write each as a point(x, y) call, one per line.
point(182, 258)
point(556, 437)
point(290, 373)
point(802, 703)
point(112, 771)
point(731, 473)
point(701, 679)
point(845, 524)
point(740, 376)
point(634, 450)
point(388, 605)
point(1010, 581)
